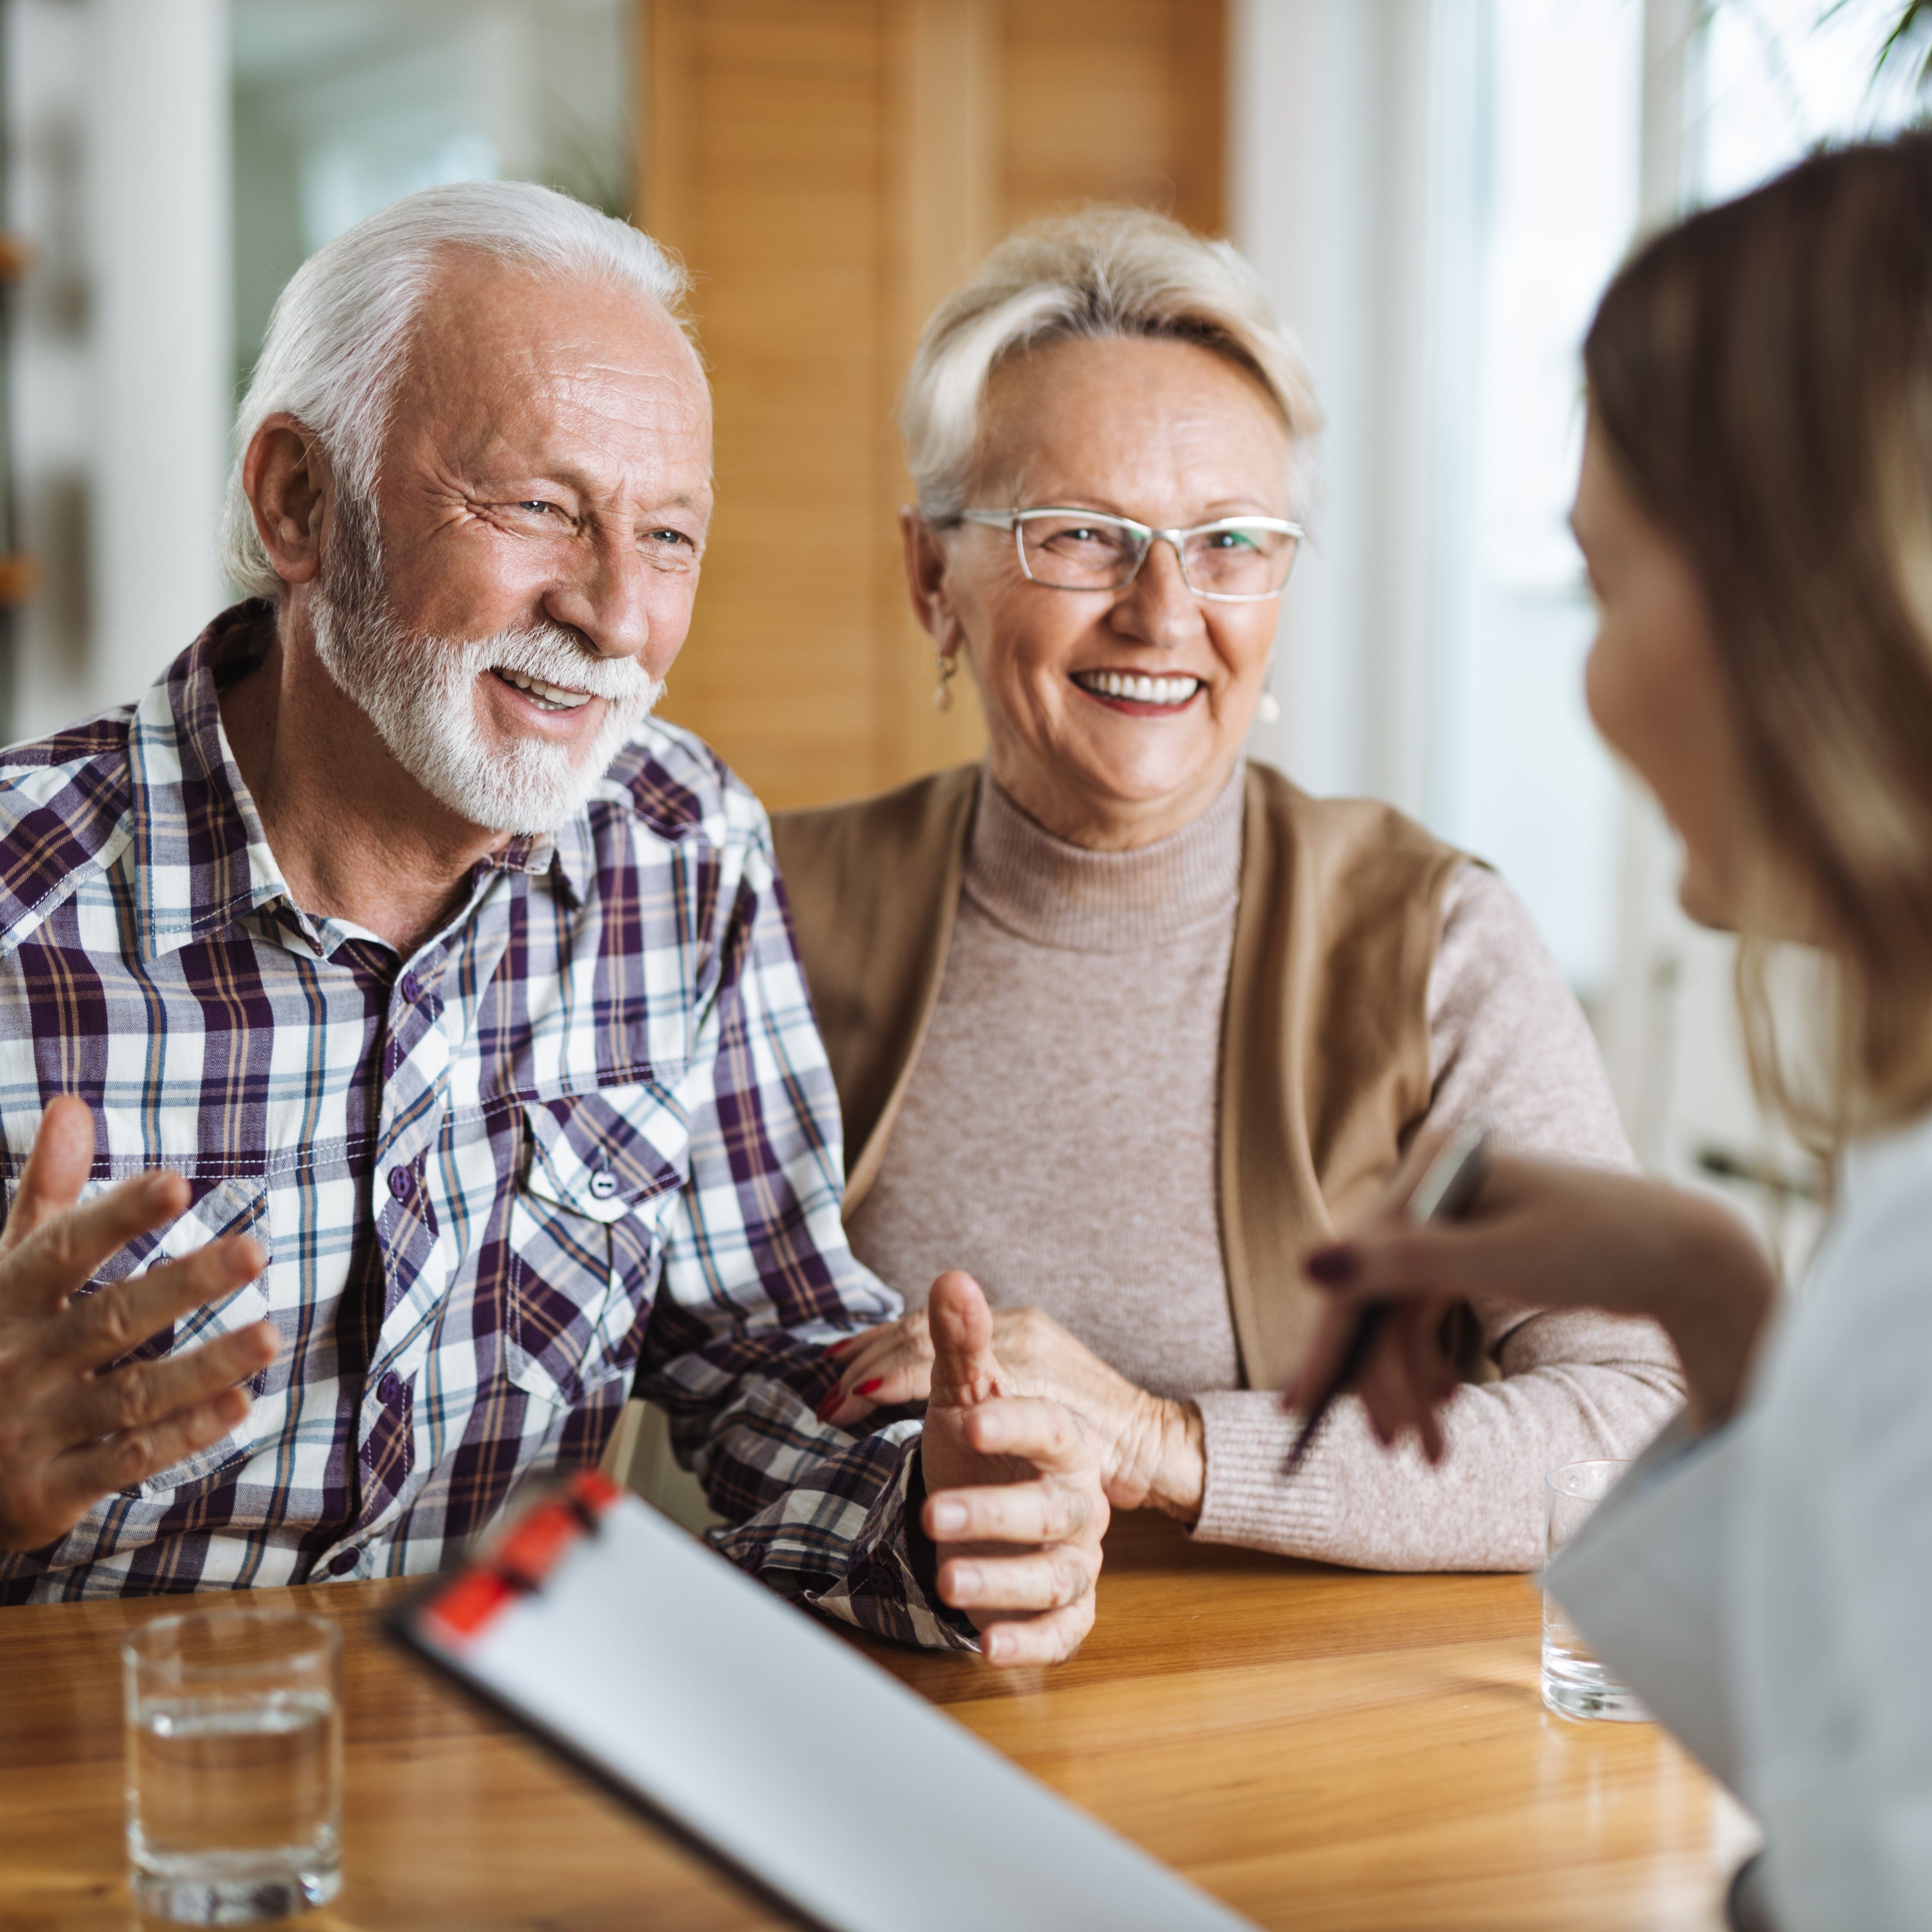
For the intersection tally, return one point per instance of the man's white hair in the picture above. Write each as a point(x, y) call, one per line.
point(338, 339)
point(1099, 272)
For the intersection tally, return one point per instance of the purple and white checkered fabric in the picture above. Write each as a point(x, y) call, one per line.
point(585, 1136)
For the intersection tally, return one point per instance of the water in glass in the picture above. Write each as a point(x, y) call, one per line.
point(1576, 1682)
point(234, 1796)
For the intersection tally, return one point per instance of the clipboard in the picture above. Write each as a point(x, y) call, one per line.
point(690, 1690)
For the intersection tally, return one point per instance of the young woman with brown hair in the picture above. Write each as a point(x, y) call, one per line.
point(1756, 509)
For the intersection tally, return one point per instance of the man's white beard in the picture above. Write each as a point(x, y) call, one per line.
point(421, 694)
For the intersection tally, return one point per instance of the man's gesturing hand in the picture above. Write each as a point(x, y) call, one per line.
point(1014, 1502)
point(71, 1432)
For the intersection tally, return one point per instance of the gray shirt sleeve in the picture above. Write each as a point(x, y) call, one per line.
point(1510, 1045)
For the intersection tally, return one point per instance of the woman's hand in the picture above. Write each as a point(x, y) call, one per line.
point(1152, 1453)
point(1545, 1234)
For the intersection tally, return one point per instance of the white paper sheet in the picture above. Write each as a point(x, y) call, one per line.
point(774, 1743)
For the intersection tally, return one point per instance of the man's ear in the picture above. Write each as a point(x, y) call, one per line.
point(291, 491)
point(925, 579)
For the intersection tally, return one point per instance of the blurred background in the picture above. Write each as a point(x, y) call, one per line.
point(1435, 190)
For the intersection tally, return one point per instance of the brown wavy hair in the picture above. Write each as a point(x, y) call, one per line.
point(1762, 373)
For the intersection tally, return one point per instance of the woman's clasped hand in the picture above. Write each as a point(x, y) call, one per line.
point(1150, 1445)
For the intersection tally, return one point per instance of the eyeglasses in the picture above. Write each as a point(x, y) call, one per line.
point(1233, 560)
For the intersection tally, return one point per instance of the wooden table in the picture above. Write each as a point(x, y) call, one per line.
point(1322, 1749)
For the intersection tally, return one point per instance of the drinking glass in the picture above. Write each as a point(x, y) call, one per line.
point(1576, 1683)
point(234, 1765)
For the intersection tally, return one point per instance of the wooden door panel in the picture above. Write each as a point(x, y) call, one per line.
point(776, 107)
point(826, 170)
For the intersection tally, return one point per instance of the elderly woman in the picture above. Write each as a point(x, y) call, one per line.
point(1123, 1024)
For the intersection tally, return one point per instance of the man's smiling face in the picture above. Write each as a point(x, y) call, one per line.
point(542, 496)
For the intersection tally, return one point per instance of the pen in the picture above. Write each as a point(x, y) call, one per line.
point(1445, 1192)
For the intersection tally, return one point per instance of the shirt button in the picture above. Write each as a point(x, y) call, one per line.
point(411, 988)
point(400, 1181)
point(390, 1388)
point(342, 1562)
point(603, 1184)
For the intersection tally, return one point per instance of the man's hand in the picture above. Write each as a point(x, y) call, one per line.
point(1014, 1503)
point(1152, 1453)
point(70, 1432)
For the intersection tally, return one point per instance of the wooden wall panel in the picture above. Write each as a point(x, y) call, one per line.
point(770, 132)
point(1112, 100)
point(827, 170)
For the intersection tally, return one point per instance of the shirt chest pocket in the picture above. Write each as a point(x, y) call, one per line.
point(583, 1242)
point(233, 1205)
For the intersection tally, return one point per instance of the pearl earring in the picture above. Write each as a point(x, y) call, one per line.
point(1269, 710)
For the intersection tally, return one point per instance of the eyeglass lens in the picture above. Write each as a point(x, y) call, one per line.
point(1234, 560)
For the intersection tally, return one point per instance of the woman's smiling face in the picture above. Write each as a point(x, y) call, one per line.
point(1169, 434)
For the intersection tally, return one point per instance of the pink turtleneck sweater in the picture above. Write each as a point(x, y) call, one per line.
point(1057, 1140)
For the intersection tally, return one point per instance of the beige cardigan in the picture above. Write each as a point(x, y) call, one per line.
point(1325, 1050)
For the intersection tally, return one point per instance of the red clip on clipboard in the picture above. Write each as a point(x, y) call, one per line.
point(692, 1691)
point(459, 1611)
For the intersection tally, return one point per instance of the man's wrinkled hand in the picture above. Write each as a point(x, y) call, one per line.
point(73, 1428)
point(1014, 1503)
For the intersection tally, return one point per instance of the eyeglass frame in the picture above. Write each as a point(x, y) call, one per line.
point(1014, 520)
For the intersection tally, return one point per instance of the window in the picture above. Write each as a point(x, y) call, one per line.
point(341, 107)
point(1517, 773)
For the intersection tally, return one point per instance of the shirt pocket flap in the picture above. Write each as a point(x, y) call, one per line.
point(580, 1276)
point(603, 1158)
point(236, 1205)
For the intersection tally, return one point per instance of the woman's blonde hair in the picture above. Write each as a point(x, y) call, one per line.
point(1098, 272)
point(1763, 375)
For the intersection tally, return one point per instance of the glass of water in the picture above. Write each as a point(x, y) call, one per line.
point(1576, 1682)
point(234, 1765)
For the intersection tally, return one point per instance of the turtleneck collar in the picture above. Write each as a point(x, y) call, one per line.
point(1057, 894)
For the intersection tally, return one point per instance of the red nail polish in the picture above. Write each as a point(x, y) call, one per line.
point(1336, 1265)
point(838, 1348)
point(831, 1402)
point(866, 1388)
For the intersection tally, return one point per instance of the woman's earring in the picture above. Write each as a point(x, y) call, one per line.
point(942, 698)
point(1269, 710)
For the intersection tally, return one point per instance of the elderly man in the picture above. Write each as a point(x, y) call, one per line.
point(418, 1030)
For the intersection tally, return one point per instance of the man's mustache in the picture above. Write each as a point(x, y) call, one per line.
point(562, 657)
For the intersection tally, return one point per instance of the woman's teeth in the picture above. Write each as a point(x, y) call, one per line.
point(1141, 690)
point(551, 697)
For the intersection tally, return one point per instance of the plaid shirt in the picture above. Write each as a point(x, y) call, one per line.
point(585, 1138)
